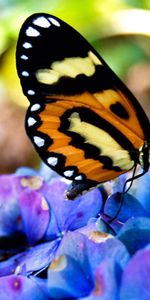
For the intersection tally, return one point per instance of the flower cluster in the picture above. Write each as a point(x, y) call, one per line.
point(53, 248)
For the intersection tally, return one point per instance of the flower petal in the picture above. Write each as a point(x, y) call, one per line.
point(135, 234)
point(35, 259)
point(67, 279)
point(88, 207)
point(10, 218)
point(70, 215)
point(20, 288)
point(92, 249)
point(141, 191)
point(130, 207)
point(35, 215)
point(105, 281)
point(136, 277)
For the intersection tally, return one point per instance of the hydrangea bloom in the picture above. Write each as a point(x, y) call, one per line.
point(52, 248)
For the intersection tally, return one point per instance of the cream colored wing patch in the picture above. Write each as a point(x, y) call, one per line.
point(70, 67)
point(102, 140)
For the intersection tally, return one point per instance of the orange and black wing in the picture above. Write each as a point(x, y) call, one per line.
point(83, 121)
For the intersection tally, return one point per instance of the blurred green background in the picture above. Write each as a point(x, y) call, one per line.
point(118, 29)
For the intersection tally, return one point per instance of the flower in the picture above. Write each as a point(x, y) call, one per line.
point(53, 248)
point(87, 267)
point(34, 218)
point(135, 279)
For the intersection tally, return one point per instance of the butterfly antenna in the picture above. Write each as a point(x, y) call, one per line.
point(130, 180)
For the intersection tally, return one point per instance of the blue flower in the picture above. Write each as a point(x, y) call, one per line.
point(21, 288)
point(135, 234)
point(52, 248)
point(34, 219)
point(135, 279)
point(88, 267)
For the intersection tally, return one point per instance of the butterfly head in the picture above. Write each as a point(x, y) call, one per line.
point(144, 156)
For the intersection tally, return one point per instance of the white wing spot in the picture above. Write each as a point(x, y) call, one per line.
point(25, 73)
point(27, 45)
point(42, 22)
point(30, 92)
point(52, 161)
point(79, 177)
point(38, 141)
point(31, 121)
point(54, 22)
point(32, 32)
point(68, 173)
point(35, 107)
point(24, 57)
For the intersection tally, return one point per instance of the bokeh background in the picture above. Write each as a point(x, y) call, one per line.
point(118, 29)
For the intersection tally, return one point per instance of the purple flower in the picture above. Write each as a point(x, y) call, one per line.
point(52, 248)
point(34, 217)
point(136, 277)
point(87, 267)
point(21, 288)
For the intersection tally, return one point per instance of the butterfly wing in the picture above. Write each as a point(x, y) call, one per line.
point(83, 121)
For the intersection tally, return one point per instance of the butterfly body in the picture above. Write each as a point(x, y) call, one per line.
point(84, 123)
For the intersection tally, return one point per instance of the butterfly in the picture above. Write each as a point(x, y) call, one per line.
point(83, 121)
